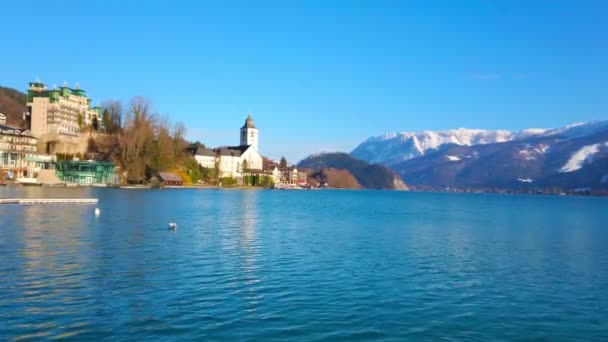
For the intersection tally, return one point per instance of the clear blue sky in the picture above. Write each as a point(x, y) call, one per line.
point(321, 75)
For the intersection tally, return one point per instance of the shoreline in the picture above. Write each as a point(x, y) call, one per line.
point(216, 187)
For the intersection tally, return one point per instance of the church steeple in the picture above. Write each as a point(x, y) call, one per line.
point(249, 122)
point(249, 133)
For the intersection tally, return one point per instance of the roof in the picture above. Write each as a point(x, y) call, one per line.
point(203, 151)
point(240, 148)
point(249, 122)
point(15, 131)
point(81, 162)
point(169, 176)
point(235, 151)
point(224, 151)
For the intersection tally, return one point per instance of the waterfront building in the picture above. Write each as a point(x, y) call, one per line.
point(86, 172)
point(17, 146)
point(276, 174)
point(62, 111)
point(169, 179)
point(233, 161)
point(302, 177)
point(290, 175)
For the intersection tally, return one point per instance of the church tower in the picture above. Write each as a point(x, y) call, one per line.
point(249, 133)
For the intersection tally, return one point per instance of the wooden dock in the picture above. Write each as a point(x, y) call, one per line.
point(48, 200)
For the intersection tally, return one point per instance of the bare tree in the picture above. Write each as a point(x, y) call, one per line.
point(136, 139)
point(179, 141)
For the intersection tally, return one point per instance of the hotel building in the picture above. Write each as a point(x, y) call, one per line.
point(62, 111)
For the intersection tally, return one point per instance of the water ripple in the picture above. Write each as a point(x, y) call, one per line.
point(309, 266)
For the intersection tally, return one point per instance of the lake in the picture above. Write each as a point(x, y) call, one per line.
point(303, 265)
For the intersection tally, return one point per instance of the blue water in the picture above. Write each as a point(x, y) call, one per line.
point(303, 265)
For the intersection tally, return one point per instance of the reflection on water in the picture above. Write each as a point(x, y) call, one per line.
point(317, 265)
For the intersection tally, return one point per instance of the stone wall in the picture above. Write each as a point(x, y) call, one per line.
point(54, 143)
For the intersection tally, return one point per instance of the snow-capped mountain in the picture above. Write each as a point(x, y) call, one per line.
point(569, 158)
point(579, 129)
point(391, 149)
point(394, 148)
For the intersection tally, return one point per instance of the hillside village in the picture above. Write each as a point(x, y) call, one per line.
point(61, 139)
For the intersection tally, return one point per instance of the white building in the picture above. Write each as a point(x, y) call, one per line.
point(17, 148)
point(276, 174)
point(249, 133)
point(232, 161)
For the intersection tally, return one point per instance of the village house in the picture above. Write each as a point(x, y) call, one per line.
point(290, 175)
point(276, 174)
point(302, 177)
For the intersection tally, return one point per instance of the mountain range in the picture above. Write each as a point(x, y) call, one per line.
point(571, 157)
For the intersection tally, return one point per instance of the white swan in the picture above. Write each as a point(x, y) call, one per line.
point(173, 226)
point(97, 211)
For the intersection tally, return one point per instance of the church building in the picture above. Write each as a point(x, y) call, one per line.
point(233, 161)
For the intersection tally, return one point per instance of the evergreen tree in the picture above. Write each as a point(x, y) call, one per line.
point(107, 121)
point(283, 163)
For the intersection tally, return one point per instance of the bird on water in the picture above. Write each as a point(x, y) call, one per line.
point(172, 226)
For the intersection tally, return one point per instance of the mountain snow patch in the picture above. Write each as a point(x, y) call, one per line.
point(530, 132)
point(579, 129)
point(530, 152)
point(452, 158)
point(580, 157)
point(394, 148)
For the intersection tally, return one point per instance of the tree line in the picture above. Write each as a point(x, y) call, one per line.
point(142, 142)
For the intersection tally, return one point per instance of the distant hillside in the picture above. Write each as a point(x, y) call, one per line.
point(13, 105)
point(334, 178)
point(369, 176)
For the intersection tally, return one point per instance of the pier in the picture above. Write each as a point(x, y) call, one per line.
point(48, 200)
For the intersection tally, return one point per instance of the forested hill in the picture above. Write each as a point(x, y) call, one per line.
point(12, 104)
point(369, 176)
